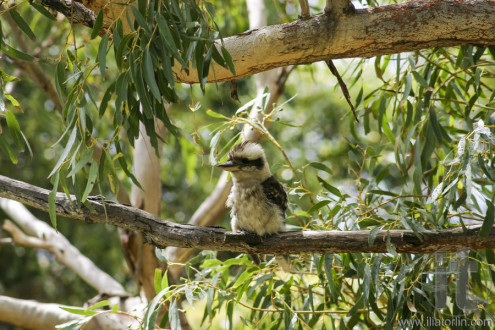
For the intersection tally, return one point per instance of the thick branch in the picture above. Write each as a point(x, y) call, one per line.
point(368, 32)
point(163, 233)
point(75, 11)
point(29, 314)
point(41, 316)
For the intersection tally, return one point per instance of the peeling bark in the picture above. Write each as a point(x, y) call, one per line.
point(163, 233)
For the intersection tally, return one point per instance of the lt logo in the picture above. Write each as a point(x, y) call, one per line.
point(461, 268)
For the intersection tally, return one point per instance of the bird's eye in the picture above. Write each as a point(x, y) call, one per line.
point(244, 160)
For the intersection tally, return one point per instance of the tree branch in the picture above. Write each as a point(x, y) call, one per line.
point(304, 9)
point(75, 11)
point(42, 236)
point(41, 316)
point(368, 32)
point(29, 314)
point(163, 233)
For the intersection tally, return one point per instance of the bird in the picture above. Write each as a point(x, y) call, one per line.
point(258, 201)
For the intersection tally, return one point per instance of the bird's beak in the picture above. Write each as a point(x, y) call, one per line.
point(228, 166)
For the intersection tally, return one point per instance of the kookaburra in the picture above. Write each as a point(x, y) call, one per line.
point(257, 200)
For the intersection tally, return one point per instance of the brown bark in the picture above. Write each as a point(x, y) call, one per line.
point(163, 233)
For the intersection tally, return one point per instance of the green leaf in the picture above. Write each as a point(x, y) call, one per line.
point(206, 66)
point(372, 236)
point(26, 142)
point(79, 311)
point(228, 59)
point(241, 279)
point(329, 187)
point(43, 11)
point(149, 75)
point(152, 310)
point(390, 246)
point(217, 57)
point(489, 172)
point(93, 172)
point(164, 281)
point(121, 91)
point(143, 93)
point(115, 308)
point(359, 98)
point(214, 114)
point(98, 24)
point(199, 61)
point(106, 97)
point(12, 100)
point(318, 206)
point(2, 101)
point(416, 227)
point(83, 161)
point(170, 42)
point(420, 79)
point(173, 316)
point(7, 149)
point(119, 54)
point(52, 211)
point(123, 165)
point(375, 268)
point(487, 225)
point(322, 167)
point(15, 130)
point(102, 54)
point(14, 53)
point(140, 19)
point(60, 80)
point(209, 263)
point(99, 304)
point(407, 87)
point(382, 192)
point(328, 261)
point(366, 282)
point(65, 153)
point(302, 213)
point(21, 23)
point(387, 130)
point(160, 254)
point(158, 280)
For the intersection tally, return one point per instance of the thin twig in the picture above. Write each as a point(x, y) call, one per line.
point(304, 9)
point(343, 86)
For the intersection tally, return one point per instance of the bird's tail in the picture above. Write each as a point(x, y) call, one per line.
point(284, 262)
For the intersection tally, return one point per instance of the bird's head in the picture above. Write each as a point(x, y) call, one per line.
point(247, 161)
